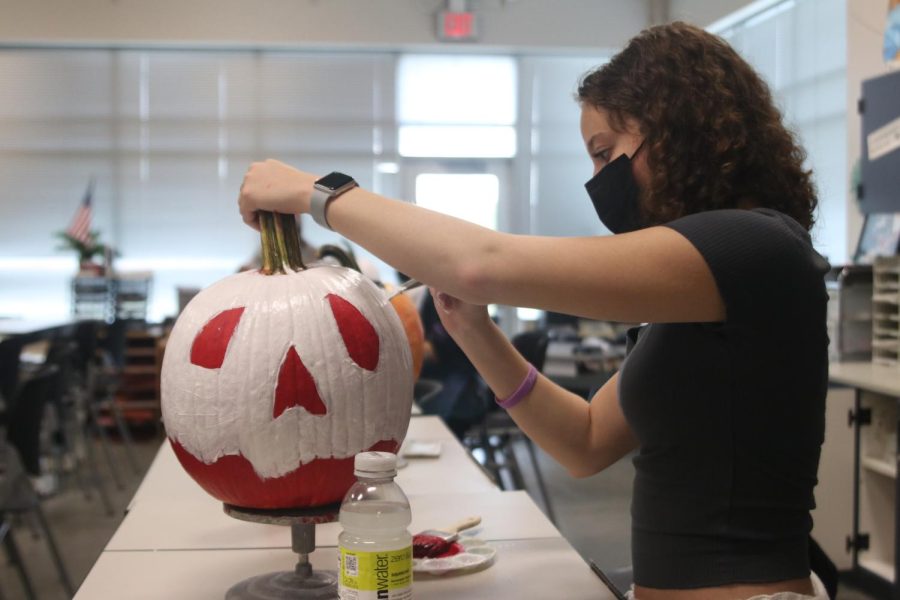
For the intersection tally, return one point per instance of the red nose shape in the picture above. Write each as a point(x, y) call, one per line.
point(296, 387)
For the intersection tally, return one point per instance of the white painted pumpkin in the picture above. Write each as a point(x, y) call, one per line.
point(271, 384)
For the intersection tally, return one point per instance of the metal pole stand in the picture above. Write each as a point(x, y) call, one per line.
point(303, 583)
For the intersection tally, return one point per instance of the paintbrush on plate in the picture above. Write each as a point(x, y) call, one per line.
point(432, 543)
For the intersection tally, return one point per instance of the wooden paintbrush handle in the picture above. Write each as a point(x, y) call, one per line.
point(463, 524)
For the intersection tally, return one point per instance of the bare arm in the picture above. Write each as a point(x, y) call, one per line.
point(652, 275)
point(583, 437)
point(584, 444)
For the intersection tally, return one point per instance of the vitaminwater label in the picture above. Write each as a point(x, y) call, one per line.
point(385, 575)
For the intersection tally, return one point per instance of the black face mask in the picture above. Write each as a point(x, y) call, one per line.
point(615, 195)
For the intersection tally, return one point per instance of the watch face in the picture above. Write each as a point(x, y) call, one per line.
point(334, 181)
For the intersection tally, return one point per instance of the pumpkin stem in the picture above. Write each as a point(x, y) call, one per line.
point(280, 243)
point(344, 258)
point(267, 237)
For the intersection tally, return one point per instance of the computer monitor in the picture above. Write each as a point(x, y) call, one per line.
point(880, 236)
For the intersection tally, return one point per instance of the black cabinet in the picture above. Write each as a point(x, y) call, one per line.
point(879, 110)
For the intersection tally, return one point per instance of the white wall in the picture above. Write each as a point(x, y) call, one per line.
point(540, 25)
point(703, 12)
point(865, 36)
point(394, 23)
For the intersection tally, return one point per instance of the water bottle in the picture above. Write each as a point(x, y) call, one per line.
point(375, 544)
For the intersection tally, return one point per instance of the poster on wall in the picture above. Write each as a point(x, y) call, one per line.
point(892, 33)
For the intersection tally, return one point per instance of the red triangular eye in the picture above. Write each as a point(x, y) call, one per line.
point(296, 387)
point(358, 334)
point(211, 344)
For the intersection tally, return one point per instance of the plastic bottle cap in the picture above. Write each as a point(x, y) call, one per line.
point(375, 464)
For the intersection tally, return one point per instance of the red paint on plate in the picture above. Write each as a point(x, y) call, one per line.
point(432, 546)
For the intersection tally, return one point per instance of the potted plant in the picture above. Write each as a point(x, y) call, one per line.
point(87, 249)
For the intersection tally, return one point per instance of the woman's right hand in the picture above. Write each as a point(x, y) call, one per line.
point(274, 186)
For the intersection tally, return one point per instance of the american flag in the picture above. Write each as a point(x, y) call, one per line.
point(80, 227)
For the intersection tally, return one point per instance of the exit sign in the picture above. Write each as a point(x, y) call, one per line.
point(456, 26)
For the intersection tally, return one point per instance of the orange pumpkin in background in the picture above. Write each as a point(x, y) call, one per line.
point(412, 325)
point(403, 304)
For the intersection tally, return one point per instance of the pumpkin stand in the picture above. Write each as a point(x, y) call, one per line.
point(272, 382)
point(301, 583)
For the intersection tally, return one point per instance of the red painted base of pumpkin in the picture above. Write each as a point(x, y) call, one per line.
point(232, 480)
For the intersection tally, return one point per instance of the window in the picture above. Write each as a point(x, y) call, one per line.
point(799, 47)
point(456, 106)
point(168, 135)
point(472, 197)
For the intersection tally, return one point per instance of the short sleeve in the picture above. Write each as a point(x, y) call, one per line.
point(763, 263)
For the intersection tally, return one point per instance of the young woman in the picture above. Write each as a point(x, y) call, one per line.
point(723, 392)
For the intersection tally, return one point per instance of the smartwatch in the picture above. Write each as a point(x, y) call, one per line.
point(325, 190)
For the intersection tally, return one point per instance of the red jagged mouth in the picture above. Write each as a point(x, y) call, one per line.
point(233, 480)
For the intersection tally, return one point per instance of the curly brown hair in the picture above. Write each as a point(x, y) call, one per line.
point(713, 134)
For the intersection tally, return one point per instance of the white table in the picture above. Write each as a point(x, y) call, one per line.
point(540, 569)
point(866, 375)
point(176, 542)
point(204, 525)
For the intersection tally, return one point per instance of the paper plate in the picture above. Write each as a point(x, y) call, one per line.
point(476, 555)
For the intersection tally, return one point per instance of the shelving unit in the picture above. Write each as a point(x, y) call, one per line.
point(873, 540)
point(850, 312)
point(123, 296)
point(132, 294)
point(138, 393)
point(886, 311)
point(93, 298)
point(880, 466)
point(878, 484)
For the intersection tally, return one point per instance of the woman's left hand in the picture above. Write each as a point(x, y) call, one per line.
point(272, 185)
point(459, 317)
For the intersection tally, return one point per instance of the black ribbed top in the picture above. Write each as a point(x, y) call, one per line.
point(731, 415)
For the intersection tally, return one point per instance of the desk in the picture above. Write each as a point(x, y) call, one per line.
point(32, 328)
point(194, 525)
point(564, 365)
point(176, 542)
point(15, 334)
point(523, 569)
point(866, 375)
point(582, 384)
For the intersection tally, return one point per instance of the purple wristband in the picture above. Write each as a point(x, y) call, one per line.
point(523, 390)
